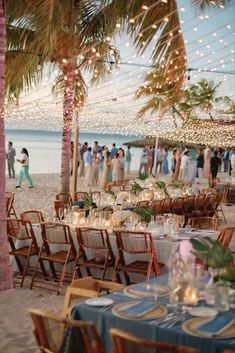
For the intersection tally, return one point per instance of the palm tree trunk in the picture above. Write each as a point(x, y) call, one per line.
point(75, 156)
point(5, 267)
point(66, 137)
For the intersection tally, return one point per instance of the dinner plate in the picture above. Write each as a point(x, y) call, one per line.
point(155, 289)
point(202, 311)
point(99, 301)
point(157, 312)
point(190, 326)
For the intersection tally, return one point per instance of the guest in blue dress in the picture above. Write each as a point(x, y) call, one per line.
point(165, 166)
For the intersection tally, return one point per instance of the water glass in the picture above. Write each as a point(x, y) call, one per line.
point(222, 297)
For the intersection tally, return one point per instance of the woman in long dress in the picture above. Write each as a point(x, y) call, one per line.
point(165, 167)
point(177, 165)
point(106, 174)
point(207, 164)
point(116, 164)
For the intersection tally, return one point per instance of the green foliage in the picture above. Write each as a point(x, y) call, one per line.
point(211, 252)
point(142, 176)
point(176, 185)
point(161, 185)
point(144, 213)
point(227, 276)
point(88, 201)
point(136, 188)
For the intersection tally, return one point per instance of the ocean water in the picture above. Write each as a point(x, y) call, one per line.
point(44, 147)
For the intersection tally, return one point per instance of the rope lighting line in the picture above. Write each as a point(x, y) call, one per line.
point(139, 64)
point(107, 100)
point(31, 53)
point(223, 72)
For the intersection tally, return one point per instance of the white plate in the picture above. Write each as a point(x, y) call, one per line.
point(202, 311)
point(99, 301)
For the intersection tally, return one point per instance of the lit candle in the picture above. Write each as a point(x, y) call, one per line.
point(191, 295)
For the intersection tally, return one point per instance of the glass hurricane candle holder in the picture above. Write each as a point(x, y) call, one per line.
point(191, 295)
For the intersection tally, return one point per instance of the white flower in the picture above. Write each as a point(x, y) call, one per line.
point(121, 216)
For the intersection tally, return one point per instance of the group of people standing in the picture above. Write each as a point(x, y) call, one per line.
point(147, 159)
point(99, 165)
point(24, 161)
point(208, 164)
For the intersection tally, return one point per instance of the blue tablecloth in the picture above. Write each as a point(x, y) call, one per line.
point(105, 320)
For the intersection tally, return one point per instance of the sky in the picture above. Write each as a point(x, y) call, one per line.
point(111, 106)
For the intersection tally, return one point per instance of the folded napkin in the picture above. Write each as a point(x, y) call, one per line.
point(216, 325)
point(146, 290)
point(139, 309)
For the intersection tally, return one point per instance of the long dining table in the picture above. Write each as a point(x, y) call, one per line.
point(105, 319)
point(165, 246)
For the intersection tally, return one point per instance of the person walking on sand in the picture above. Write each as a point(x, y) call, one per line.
point(143, 161)
point(184, 167)
point(11, 152)
point(128, 160)
point(24, 171)
point(200, 165)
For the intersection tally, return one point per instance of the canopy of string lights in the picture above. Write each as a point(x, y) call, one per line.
point(111, 105)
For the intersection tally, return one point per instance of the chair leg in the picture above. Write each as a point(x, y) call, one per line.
point(105, 267)
point(25, 269)
point(43, 268)
point(19, 264)
point(62, 278)
point(35, 269)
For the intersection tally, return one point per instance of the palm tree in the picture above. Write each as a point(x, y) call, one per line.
point(202, 96)
point(5, 267)
point(230, 110)
point(165, 96)
point(79, 45)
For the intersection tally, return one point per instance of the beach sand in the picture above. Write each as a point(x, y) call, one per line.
point(15, 325)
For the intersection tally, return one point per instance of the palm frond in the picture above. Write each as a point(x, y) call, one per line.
point(202, 5)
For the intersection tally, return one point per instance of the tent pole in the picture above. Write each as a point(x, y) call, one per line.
point(155, 156)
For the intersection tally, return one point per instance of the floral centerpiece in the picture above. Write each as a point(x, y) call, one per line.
point(162, 186)
point(145, 214)
point(119, 218)
point(213, 253)
point(136, 188)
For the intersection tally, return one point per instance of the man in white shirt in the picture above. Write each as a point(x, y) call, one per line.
point(143, 161)
point(184, 165)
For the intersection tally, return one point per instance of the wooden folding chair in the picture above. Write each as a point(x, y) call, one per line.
point(204, 223)
point(34, 217)
point(55, 334)
point(10, 197)
point(135, 244)
point(178, 206)
point(199, 205)
point(144, 203)
point(166, 205)
point(17, 231)
point(87, 287)
point(209, 209)
point(225, 236)
point(65, 198)
point(189, 205)
point(156, 206)
point(217, 205)
point(55, 234)
point(127, 343)
point(97, 241)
